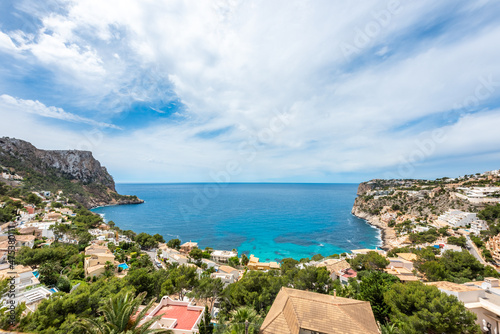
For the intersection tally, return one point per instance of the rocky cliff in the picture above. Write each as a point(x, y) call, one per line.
point(380, 201)
point(77, 173)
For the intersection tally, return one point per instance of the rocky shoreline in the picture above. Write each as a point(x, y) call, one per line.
point(114, 203)
point(387, 234)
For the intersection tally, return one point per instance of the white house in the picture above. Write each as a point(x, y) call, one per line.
point(222, 256)
point(481, 298)
point(457, 218)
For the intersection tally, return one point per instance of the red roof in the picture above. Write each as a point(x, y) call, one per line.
point(350, 273)
point(186, 319)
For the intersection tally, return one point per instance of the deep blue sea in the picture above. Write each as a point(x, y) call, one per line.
point(271, 221)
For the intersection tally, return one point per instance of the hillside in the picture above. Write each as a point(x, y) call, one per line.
point(77, 173)
point(384, 203)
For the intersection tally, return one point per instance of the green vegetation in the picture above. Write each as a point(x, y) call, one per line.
point(418, 308)
point(122, 315)
point(429, 236)
point(458, 267)
point(174, 243)
point(59, 314)
point(460, 241)
point(369, 261)
point(147, 241)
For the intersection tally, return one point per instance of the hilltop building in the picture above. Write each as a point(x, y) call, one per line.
point(254, 264)
point(95, 260)
point(457, 218)
point(180, 317)
point(481, 298)
point(188, 247)
point(301, 312)
point(222, 256)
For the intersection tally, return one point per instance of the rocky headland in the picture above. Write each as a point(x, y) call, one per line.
point(77, 173)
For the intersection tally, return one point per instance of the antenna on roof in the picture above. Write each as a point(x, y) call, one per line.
point(334, 293)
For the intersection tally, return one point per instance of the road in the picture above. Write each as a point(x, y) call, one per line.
point(474, 251)
point(152, 256)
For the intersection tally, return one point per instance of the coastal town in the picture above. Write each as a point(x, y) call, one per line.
point(421, 244)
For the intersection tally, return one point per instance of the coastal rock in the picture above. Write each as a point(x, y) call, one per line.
point(77, 173)
point(380, 201)
point(388, 234)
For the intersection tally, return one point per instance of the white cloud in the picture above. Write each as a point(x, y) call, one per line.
point(6, 43)
point(12, 105)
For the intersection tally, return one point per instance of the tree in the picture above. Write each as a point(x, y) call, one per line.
point(59, 230)
point(389, 329)
point(234, 261)
point(243, 315)
point(317, 257)
point(6, 315)
point(313, 279)
point(122, 315)
point(288, 264)
point(196, 254)
point(418, 308)
point(58, 314)
point(174, 243)
point(49, 273)
point(33, 199)
point(63, 284)
point(209, 289)
point(460, 241)
point(369, 261)
point(206, 326)
point(159, 238)
point(244, 259)
point(109, 269)
point(146, 241)
point(372, 289)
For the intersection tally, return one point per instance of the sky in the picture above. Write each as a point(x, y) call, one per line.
point(256, 91)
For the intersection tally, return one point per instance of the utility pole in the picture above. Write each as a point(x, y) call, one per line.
point(246, 326)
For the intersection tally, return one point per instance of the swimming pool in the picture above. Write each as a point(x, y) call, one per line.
point(124, 266)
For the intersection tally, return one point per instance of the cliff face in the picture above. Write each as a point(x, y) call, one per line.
point(77, 165)
point(77, 173)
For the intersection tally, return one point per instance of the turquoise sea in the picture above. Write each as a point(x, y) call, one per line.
point(271, 221)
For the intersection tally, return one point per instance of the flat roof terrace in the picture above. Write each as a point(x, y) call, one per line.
point(186, 319)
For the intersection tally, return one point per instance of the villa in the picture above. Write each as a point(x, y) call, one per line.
point(254, 264)
point(334, 267)
point(227, 270)
point(188, 247)
point(298, 312)
point(222, 256)
point(457, 218)
point(180, 317)
point(96, 258)
point(481, 298)
point(225, 278)
point(23, 276)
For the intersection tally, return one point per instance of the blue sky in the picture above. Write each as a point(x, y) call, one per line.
point(256, 91)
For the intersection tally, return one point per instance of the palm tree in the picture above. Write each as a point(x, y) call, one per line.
point(122, 316)
point(242, 317)
point(388, 329)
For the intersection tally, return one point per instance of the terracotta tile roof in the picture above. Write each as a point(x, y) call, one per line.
point(334, 266)
point(449, 286)
point(407, 256)
point(293, 310)
point(186, 319)
point(227, 269)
